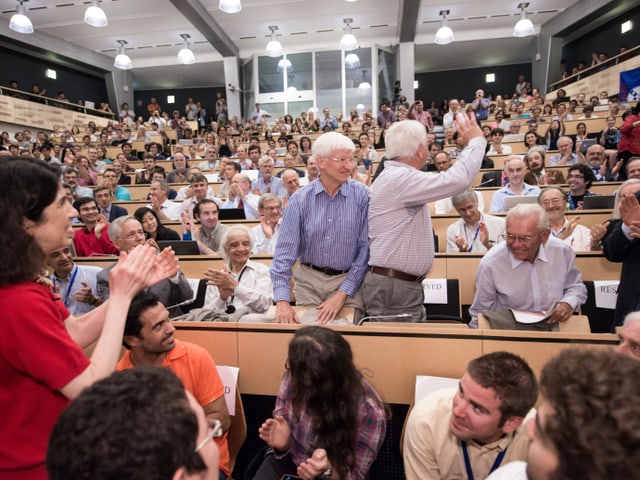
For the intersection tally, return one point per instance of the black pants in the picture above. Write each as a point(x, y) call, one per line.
point(265, 466)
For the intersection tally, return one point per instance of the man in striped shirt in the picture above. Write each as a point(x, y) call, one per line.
point(325, 229)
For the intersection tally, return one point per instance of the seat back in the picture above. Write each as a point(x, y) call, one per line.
point(600, 319)
point(449, 311)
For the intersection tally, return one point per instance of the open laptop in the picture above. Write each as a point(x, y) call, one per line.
point(512, 201)
point(181, 247)
point(602, 202)
point(231, 214)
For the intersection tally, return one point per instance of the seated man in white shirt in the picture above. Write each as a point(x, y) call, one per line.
point(529, 271)
point(471, 431)
point(443, 206)
point(515, 169)
point(474, 231)
point(265, 235)
point(240, 196)
point(160, 203)
point(565, 155)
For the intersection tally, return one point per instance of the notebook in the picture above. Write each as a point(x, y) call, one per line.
point(512, 201)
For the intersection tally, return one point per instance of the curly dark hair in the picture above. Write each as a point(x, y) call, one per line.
point(137, 423)
point(28, 187)
point(595, 423)
point(512, 379)
point(328, 386)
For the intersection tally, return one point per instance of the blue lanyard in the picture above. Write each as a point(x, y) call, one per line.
point(467, 462)
point(572, 203)
point(73, 278)
point(475, 236)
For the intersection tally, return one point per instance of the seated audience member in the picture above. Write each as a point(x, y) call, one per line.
point(445, 205)
point(496, 147)
point(633, 168)
point(554, 201)
point(149, 342)
point(123, 179)
point(145, 174)
point(609, 138)
point(265, 235)
point(187, 192)
point(566, 155)
point(127, 233)
point(210, 162)
point(562, 115)
point(240, 196)
point(536, 173)
point(70, 177)
point(105, 432)
point(104, 199)
point(579, 178)
point(321, 377)
point(111, 180)
point(514, 135)
point(267, 182)
point(230, 170)
point(312, 169)
point(621, 245)
point(472, 430)
point(586, 395)
point(290, 163)
point(165, 209)
point(208, 232)
point(291, 184)
point(75, 284)
point(153, 228)
point(529, 271)
point(180, 172)
point(127, 149)
point(515, 170)
point(197, 191)
point(630, 336)
point(474, 231)
point(597, 161)
point(242, 289)
point(93, 238)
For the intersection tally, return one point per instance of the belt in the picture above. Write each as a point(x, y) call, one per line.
point(325, 270)
point(391, 273)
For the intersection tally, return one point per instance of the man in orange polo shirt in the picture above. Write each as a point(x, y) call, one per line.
point(148, 337)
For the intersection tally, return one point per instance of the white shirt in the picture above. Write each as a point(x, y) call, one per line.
point(170, 209)
point(250, 205)
point(67, 288)
point(262, 244)
point(445, 205)
point(495, 226)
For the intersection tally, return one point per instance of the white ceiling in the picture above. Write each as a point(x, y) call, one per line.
point(152, 29)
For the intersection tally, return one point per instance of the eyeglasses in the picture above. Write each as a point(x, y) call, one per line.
point(274, 208)
point(215, 431)
point(522, 239)
point(342, 161)
point(577, 176)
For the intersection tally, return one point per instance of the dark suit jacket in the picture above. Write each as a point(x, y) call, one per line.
point(491, 179)
point(167, 292)
point(617, 248)
point(116, 211)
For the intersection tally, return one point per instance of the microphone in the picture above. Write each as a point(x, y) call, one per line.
point(491, 180)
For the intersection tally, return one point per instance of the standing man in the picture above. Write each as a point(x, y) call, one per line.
point(92, 239)
point(75, 284)
point(450, 116)
point(480, 106)
point(400, 238)
point(325, 229)
point(386, 116)
point(258, 113)
point(328, 121)
point(148, 338)
point(471, 431)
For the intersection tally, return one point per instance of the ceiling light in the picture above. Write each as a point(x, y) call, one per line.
point(444, 35)
point(364, 85)
point(122, 61)
point(274, 49)
point(230, 6)
point(185, 55)
point(95, 16)
point(351, 61)
point(348, 41)
point(283, 64)
point(20, 22)
point(524, 27)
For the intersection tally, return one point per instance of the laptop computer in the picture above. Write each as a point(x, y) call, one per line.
point(603, 202)
point(231, 214)
point(181, 247)
point(512, 201)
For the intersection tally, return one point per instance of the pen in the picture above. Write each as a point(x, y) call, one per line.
point(561, 231)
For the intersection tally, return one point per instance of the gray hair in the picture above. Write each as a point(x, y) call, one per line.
point(616, 203)
point(225, 237)
point(264, 159)
point(115, 227)
point(403, 139)
point(526, 210)
point(268, 197)
point(462, 197)
point(631, 317)
point(329, 142)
